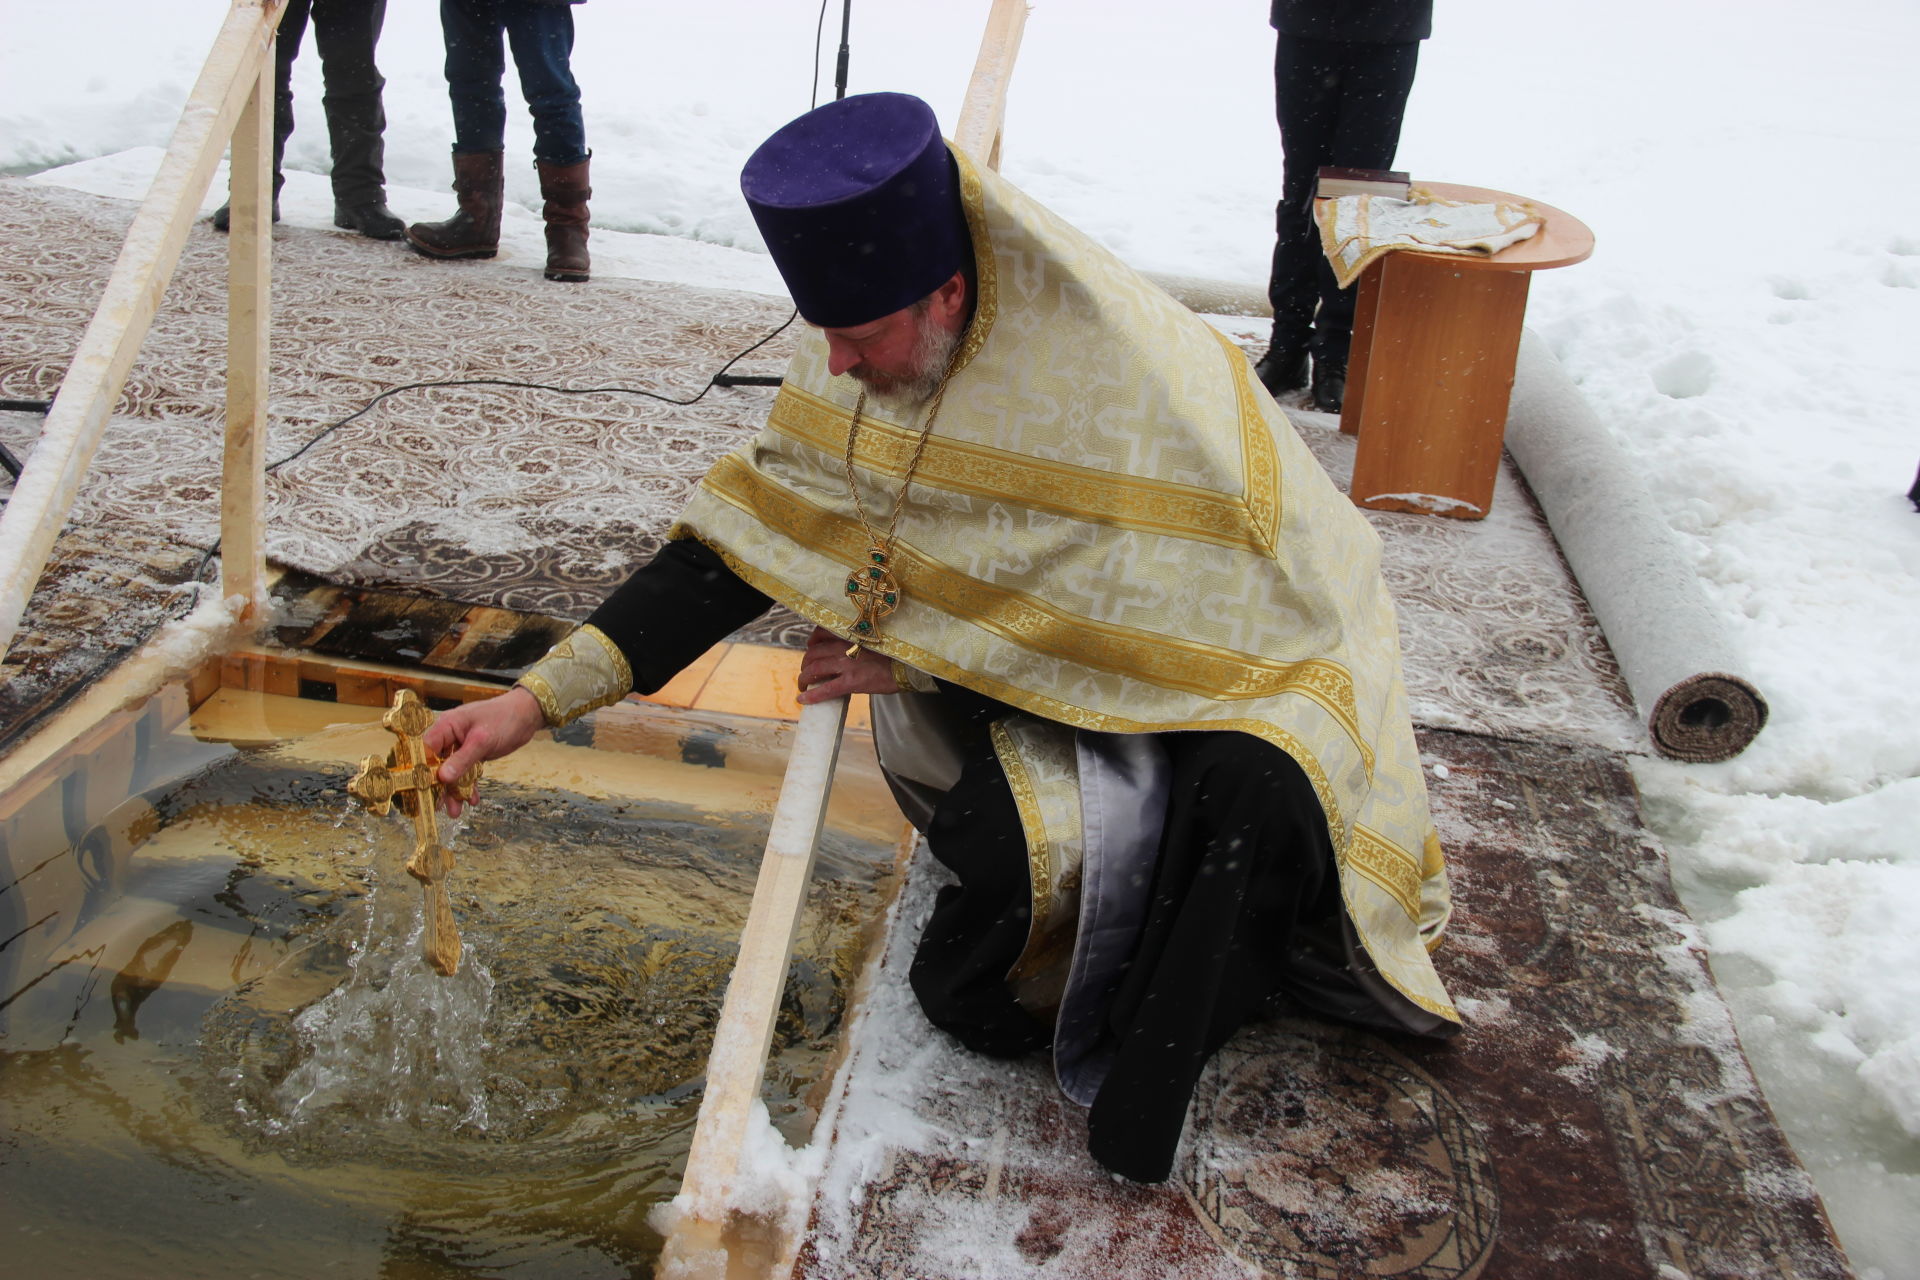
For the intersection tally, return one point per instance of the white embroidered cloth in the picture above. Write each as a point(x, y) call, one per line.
point(1354, 230)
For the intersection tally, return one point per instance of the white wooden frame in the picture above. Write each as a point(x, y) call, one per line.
point(232, 100)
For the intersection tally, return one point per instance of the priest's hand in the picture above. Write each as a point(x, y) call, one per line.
point(829, 671)
point(475, 732)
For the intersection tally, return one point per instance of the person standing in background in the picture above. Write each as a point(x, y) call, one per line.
point(345, 32)
point(1342, 70)
point(540, 33)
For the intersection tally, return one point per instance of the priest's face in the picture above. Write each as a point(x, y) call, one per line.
point(901, 358)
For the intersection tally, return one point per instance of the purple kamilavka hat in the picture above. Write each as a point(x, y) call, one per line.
point(858, 203)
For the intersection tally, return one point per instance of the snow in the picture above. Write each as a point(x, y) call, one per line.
point(1746, 327)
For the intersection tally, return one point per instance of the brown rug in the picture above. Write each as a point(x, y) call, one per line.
point(1597, 1119)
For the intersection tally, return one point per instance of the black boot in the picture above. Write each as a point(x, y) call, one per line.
point(1280, 371)
point(282, 130)
point(374, 221)
point(1329, 386)
point(223, 216)
point(480, 183)
point(356, 128)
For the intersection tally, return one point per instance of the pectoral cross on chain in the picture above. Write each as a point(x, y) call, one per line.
point(407, 776)
point(875, 595)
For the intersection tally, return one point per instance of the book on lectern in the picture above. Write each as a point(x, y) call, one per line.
point(1336, 181)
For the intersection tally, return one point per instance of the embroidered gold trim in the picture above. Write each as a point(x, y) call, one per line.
point(1152, 658)
point(1390, 867)
point(1026, 800)
point(582, 673)
point(1259, 459)
point(912, 680)
point(1079, 493)
point(986, 301)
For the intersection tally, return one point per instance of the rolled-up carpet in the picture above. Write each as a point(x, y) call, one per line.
point(1678, 662)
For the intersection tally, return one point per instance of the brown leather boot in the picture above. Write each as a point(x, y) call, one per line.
point(564, 186)
point(479, 181)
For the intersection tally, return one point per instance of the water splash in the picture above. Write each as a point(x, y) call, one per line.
point(392, 1043)
point(395, 1040)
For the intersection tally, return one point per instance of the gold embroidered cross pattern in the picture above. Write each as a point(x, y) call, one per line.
point(406, 776)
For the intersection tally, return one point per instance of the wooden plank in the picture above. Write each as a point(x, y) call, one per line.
point(754, 680)
point(697, 1245)
point(1360, 348)
point(363, 688)
point(204, 682)
point(473, 638)
point(299, 602)
point(684, 690)
point(448, 688)
point(242, 671)
point(281, 675)
point(243, 481)
point(512, 643)
point(983, 111)
point(386, 626)
point(43, 496)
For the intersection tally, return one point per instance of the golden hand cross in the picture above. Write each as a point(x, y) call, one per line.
point(407, 776)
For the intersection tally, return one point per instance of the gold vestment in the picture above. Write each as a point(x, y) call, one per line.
point(1112, 527)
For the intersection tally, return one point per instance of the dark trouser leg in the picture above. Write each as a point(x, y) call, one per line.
point(978, 926)
point(345, 32)
point(1245, 856)
point(476, 61)
point(1337, 104)
point(1305, 80)
point(541, 36)
point(293, 27)
point(1373, 102)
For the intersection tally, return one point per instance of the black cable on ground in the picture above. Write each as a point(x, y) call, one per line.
point(720, 379)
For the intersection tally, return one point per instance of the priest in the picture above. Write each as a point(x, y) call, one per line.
point(1134, 672)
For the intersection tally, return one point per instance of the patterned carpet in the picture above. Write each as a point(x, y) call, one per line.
point(1598, 1118)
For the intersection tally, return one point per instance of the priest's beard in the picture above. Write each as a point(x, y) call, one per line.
point(901, 397)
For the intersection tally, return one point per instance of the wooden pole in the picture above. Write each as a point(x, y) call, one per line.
point(701, 1242)
point(48, 485)
point(243, 481)
point(983, 111)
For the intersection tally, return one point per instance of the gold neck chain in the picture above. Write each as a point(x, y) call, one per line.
point(875, 591)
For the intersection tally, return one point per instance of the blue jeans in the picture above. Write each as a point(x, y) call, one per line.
point(541, 36)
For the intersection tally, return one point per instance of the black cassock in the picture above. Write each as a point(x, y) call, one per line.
point(1242, 913)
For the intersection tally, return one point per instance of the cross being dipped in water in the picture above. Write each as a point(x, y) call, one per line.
point(407, 777)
